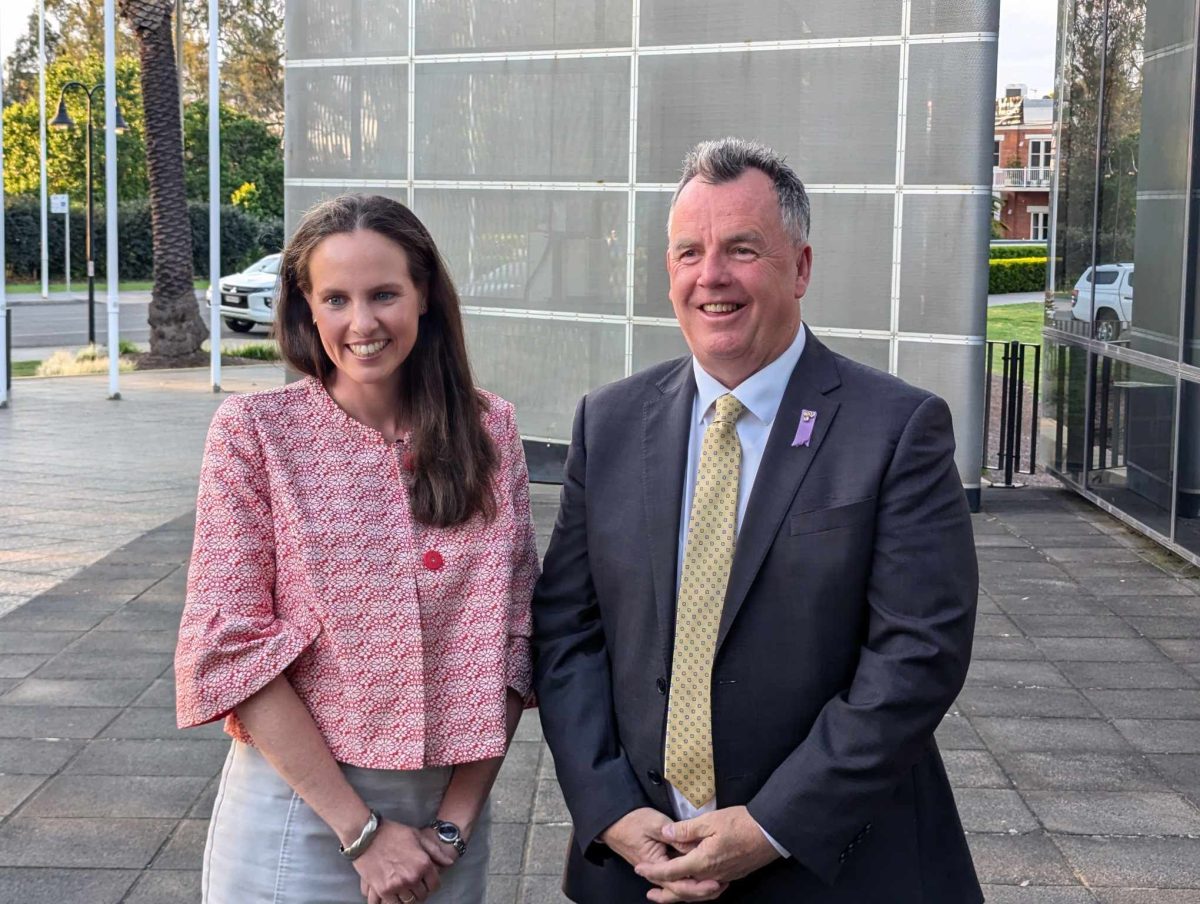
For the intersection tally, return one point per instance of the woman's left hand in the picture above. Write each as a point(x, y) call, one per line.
point(444, 855)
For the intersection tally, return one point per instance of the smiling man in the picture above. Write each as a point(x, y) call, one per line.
point(759, 598)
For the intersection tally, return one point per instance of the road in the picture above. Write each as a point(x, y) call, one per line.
point(63, 324)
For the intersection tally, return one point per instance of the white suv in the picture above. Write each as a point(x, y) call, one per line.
point(248, 298)
point(1114, 299)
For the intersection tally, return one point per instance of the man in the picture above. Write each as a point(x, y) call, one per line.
point(760, 594)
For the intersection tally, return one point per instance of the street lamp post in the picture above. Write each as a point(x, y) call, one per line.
point(62, 120)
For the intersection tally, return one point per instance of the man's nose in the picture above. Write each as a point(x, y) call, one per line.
point(714, 269)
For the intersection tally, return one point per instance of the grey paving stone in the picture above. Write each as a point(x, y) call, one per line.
point(1161, 735)
point(1037, 894)
point(1166, 627)
point(502, 889)
point(1015, 859)
point(1020, 553)
point(994, 810)
point(19, 665)
point(27, 756)
point(1078, 604)
point(120, 642)
point(956, 733)
point(991, 541)
point(192, 757)
point(547, 849)
point(1114, 812)
point(75, 692)
point(35, 641)
point(86, 843)
point(72, 664)
point(1180, 770)
point(149, 722)
point(1080, 771)
point(143, 619)
point(1127, 675)
point(995, 626)
point(166, 887)
point(507, 848)
point(71, 620)
point(542, 890)
point(160, 693)
point(202, 808)
point(1147, 896)
point(529, 728)
point(974, 769)
point(1090, 649)
point(521, 761)
point(15, 789)
point(1182, 651)
point(116, 796)
point(1009, 673)
point(1161, 703)
point(1107, 556)
point(53, 721)
point(1106, 587)
point(55, 886)
point(512, 801)
point(1025, 701)
point(1154, 606)
point(184, 850)
point(1134, 862)
point(548, 804)
point(1073, 626)
point(1050, 735)
point(1008, 648)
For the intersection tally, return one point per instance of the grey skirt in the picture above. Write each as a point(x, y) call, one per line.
point(267, 845)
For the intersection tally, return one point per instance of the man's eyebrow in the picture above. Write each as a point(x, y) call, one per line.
point(748, 236)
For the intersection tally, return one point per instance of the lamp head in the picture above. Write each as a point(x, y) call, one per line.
point(62, 119)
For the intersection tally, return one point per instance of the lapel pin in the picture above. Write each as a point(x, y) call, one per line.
point(804, 431)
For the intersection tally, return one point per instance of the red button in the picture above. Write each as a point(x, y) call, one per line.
point(434, 560)
point(407, 462)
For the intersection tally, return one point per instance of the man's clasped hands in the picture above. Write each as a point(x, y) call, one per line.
point(691, 860)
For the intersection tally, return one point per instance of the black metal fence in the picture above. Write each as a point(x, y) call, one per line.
point(1021, 376)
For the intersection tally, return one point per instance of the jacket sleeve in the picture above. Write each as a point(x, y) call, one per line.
point(921, 598)
point(231, 642)
point(571, 669)
point(518, 668)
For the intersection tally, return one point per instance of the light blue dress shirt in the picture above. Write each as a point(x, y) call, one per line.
point(761, 394)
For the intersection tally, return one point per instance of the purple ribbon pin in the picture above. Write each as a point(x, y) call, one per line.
point(808, 420)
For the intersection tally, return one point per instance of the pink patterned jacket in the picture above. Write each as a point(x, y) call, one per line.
point(400, 638)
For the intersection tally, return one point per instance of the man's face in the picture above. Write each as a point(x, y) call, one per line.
point(736, 275)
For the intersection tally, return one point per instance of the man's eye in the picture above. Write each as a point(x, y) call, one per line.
point(384, 296)
point(743, 252)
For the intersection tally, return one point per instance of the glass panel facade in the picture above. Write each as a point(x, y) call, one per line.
point(540, 141)
point(1125, 216)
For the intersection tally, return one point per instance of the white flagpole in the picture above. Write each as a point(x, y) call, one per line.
point(110, 196)
point(214, 192)
point(3, 281)
point(42, 143)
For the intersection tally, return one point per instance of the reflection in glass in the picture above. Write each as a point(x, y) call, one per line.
point(547, 250)
point(493, 25)
point(1064, 400)
point(341, 28)
point(1133, 424)
point(1187, 512)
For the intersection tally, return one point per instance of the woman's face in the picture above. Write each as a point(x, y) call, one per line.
point(364, 304)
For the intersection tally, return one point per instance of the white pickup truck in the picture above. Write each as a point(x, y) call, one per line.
point(1114, 299)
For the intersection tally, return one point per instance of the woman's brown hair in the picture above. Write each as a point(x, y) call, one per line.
point(453, 456)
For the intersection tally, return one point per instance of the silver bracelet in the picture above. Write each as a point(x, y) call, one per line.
point(365, 837)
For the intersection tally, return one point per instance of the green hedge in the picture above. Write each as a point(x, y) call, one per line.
point(244, 239)
point(1020, 274)
point(1004, 252)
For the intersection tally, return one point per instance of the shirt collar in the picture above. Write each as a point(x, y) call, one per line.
point(761, 392)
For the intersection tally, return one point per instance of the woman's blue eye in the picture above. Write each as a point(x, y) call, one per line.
point(385, 296)
point(335, 301)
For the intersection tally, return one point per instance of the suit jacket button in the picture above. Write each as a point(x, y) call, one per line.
point(842, 857)
point(661, 684)
point(655, 777)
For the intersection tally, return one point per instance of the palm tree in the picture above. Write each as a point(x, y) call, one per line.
point(176, 329)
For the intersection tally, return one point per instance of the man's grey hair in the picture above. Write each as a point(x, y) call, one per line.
point(725, 159)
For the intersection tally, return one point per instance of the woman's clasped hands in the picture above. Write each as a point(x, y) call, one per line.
point(403, 864)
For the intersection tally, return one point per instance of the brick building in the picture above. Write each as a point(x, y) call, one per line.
point(1022, 163)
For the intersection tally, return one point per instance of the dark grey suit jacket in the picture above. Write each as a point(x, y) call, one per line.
point(845, 635)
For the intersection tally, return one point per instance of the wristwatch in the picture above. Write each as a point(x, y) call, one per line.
point(449, 833)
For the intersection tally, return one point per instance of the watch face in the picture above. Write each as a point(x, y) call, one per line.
point(448, 832)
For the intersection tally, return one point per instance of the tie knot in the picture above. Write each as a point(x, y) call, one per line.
point(729, 409)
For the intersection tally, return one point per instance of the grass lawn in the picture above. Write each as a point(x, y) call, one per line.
point(25, 368)
point(1022, 322)
point(79, 286)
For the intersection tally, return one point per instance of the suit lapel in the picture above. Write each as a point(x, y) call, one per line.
point(665, 429)
point(782, 470)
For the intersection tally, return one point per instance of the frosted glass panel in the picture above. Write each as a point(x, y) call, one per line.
point(561, 251)
point(949, 143)
point(320, 29)
point(943, 281)
point(530, 120)
point(686, 22)
point(471, 25)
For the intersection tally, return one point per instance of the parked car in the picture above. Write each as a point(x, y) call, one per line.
point(248, 298)
point(1114, 299)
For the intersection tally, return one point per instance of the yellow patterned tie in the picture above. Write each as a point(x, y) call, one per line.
point(707, 557)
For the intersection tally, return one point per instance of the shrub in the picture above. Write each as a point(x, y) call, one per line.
point(1020, 274)
point(87, 360)
point(1002, 252)
point(259, 351)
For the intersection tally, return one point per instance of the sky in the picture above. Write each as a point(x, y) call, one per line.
point(1026, 39)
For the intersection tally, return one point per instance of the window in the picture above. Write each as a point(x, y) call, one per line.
point(996, 152)
point(1039, 223)
point(1039, 153)
point(1104, 277)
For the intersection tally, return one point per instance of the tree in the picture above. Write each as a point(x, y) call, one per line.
point(176, 330)
point(251, 155)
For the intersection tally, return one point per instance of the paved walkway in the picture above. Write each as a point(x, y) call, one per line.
point(1074, 749)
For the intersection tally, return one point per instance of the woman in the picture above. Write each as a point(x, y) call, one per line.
point(358, 600)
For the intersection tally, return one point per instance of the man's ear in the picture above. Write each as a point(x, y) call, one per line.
point(803, 269)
